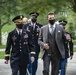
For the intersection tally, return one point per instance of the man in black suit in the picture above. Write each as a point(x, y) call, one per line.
point(68, 50)
point(51, 39)
point(19, 41)
point(34, 28)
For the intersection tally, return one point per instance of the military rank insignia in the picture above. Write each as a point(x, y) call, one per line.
point(14, 38)
point(38, 29)
point(26, 36)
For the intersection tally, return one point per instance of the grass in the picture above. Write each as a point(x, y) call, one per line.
point(2, 54)
point(2, 46)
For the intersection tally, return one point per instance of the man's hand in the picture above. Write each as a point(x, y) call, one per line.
point(68, 37)
point(71, 56)
point(32, 59)
point(46, 46)
point(6, 62)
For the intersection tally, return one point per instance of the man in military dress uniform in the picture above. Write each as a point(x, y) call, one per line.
point(68, 48)
point(34, 28)
point(19, 41)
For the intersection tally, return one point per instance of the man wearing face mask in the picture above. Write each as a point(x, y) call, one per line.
point(51, 39)
point(19, 41)
point(34, 28)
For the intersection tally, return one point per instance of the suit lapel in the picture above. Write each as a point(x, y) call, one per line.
point(57, 31)
point(16, 33)
point(46, 33)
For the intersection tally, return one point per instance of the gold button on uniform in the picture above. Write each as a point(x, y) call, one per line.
point(20, 43)
point(20, 46)
point(20, 50)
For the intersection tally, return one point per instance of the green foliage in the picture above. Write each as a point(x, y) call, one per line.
point(8, 28)
point(2, 46)
point(2, 54)
point(71, 29)
point(74, 41)
point(11, 8)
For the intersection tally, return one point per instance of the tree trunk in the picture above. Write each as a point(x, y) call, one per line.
point(0, 33)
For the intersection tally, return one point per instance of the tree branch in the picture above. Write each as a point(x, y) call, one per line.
point(4, 24)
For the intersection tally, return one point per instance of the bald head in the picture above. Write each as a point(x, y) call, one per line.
point(25, 20)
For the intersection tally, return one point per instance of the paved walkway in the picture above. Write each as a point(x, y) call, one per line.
point(71, 67)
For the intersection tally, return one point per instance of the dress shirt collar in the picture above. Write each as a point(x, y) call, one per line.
point(33, 23)
point(19, 31)
point(52, 25)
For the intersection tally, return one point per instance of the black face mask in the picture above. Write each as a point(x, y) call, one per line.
point(52, 21)
point(20, 26)
point(34, 20)
point(63, 24)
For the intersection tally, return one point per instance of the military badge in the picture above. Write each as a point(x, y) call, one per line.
point(37, 34)
point(14, 38)
point(38, 29)
point(24, 32)
point(24, 43)
point(28, 29)
point(26, 36)
point(14, 43)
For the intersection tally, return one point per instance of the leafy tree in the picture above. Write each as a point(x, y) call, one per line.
point(8, 8)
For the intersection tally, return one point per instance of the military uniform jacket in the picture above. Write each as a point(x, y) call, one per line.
point(68, 47)
point(19, 49)
point(35, 34)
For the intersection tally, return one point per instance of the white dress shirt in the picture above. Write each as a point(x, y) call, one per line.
point(19, 31)
point(51, 28)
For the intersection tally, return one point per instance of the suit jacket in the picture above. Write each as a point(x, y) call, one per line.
point(18, 51)
point(35, 34)
point(59, 38)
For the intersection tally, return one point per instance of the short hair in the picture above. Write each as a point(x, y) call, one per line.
point(50, 13)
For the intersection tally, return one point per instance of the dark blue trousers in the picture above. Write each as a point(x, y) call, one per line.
point(32, 67)
point(62, 66)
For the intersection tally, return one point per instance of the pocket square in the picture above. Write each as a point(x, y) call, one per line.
point(58, 31)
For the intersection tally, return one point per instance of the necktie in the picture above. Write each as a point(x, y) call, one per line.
point(52, 29)
point(19, 34)
point(33, 27)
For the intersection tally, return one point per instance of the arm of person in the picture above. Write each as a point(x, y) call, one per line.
point(71, 48)
point(31, 47)
point(66, 36)
point(40, 41)
point(7, 51)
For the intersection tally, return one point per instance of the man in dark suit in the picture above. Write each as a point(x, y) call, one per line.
point(34, 28)
point(51, 39)
point(68, 50)
point(18, 43)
